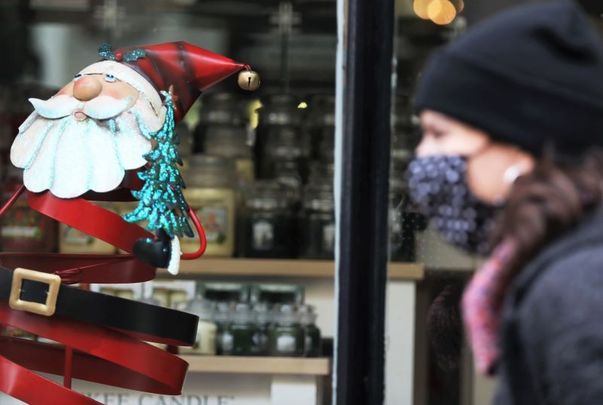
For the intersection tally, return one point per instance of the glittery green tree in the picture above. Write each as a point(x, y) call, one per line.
point(161, 201)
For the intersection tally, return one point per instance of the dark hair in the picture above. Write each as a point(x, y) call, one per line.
point(445, 328)
point(549, 201)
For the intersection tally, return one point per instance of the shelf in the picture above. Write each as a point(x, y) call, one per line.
point(258, 365)
point(284, 268)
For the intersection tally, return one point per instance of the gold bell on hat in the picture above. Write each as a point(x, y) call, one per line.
point(249, 80)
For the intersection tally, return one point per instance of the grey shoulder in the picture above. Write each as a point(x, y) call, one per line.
point(572, 286)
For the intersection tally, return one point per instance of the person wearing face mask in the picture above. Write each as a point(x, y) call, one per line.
point(511, 167)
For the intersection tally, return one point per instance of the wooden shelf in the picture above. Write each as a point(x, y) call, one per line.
point(258, 365)
point(284, 268)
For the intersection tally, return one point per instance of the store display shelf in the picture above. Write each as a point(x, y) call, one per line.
point(284, 268)
point(258, 365)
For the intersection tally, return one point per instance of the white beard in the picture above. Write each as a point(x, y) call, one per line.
point(70, 157)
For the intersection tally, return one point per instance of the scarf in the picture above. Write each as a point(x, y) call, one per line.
point(482, 303)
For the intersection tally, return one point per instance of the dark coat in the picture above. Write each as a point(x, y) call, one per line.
point(552, 326)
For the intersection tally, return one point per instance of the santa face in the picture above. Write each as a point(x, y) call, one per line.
point(85, 137)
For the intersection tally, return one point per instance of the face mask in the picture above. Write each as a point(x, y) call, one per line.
point(438, 185)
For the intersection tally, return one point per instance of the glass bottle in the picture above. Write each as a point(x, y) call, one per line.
point(312, 341)
point(263, 318)
point(224, 337)
point(267, 226)
point(210, 192)
point(206, 331)
point(318, 221)
point(287, 336)
point(243, 330)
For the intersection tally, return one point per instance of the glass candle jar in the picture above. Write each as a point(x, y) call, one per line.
point(287, 336)
point(278, 133)
point(231, 142)
point(267, 222)
point(205, 343)
point(224, 336)
point(218, 109)
point(318, 221)
point(262, 319)
point(312, 341)
point(242, 330)
point(320, 125)
point(210, 192)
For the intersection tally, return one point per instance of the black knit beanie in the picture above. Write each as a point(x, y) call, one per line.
point(531, 76)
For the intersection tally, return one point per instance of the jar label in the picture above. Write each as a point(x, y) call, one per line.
point(308, 344)
point(260, 341)
point(263, 235)
point(215, 223)
point(22, 223)
point(75, 237)
point(328, 237)
point(285, 344)
point(21, 232)
point(227, 342)
point(206, 338)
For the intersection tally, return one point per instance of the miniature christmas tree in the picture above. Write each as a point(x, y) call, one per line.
point(161, 201)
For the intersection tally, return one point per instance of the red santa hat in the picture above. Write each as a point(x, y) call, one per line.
point(186, 68)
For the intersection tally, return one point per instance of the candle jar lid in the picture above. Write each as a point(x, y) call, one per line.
point(242, 314)
point(222, 108)
point(266, 195)
point(321, 110)
point(227, 141)
point(307, 314)
point(210, 171)
point(319, 197)
point(286, 143)
point(262, 313)
point(204, 309)
point(279, 109)
point(223, 312)
point(287, 315)
point(321, 172)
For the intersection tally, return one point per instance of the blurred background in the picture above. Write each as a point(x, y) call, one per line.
point(259, 171)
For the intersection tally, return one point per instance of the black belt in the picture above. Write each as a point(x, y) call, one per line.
point(43, 294)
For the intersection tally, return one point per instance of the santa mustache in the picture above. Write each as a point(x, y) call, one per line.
point(70, 157)
point(99, 108)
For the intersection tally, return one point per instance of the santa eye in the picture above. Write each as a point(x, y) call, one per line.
point(77, 76)
point(110, 78)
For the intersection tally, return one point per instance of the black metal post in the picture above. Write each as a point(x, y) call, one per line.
point(363, 230)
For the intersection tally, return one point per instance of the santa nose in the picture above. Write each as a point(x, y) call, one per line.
point(86, 88)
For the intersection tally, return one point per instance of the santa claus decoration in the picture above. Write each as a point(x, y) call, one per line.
point(108, 135)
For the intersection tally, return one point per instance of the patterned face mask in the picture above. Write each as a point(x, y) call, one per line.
point(438, 185)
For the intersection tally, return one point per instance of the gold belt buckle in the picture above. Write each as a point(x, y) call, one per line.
point(47, 308)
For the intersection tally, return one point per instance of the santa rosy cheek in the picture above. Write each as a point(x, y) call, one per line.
point(115, 93)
